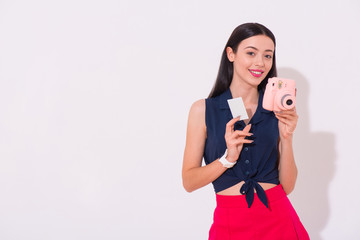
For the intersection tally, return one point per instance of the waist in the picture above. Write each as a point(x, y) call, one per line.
point(235, 189)
point(227, 201)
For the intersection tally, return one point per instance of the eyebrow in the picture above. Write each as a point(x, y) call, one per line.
point(268, 50)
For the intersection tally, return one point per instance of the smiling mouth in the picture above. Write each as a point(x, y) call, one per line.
point(256, 73)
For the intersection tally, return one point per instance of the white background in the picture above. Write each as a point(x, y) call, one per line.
point(94, 99)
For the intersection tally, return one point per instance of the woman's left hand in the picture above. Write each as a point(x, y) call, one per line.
point(287, 122)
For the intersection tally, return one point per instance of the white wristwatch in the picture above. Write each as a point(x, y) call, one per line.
point(225, 162)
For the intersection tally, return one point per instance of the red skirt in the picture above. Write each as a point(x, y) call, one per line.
point(234, 220)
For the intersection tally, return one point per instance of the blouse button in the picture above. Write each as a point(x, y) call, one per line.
point(246, 148)
point(247, 172)
point(247, 161)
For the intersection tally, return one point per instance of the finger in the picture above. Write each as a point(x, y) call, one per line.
point(282, 118)
point(239, 133)
point(286, 121)
point(247, 128)
point(286, 113)
point(291, 117)
point(230, 124)
point(279, 117)
point(244, 133)
point(290, 124)
point(242, 141)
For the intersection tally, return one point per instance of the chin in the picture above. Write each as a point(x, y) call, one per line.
point(256, 82)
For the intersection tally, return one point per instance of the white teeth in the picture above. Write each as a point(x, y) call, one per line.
point(256, 72)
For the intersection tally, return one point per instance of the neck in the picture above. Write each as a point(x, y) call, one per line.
point(248, 93)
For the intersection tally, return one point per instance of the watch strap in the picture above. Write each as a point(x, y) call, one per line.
point(225, 162)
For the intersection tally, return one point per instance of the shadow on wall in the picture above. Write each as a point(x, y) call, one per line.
point(315, 158)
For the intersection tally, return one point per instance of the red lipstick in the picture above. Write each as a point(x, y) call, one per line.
point(256, 72)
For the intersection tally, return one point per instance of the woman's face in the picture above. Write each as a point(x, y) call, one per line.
point(253, 59)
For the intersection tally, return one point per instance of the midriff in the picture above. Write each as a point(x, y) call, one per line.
point(235, 190)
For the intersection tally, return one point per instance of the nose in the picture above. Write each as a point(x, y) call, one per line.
point(259, 61)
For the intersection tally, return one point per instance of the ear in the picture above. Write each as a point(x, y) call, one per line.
point(230, 54)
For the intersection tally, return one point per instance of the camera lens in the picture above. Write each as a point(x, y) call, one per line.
point(289, 102)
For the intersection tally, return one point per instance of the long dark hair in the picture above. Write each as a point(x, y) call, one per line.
point(225, 73)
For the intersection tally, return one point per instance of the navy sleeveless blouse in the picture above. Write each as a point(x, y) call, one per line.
point(257, 161)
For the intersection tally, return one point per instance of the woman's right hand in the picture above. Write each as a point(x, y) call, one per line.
point(235, 139)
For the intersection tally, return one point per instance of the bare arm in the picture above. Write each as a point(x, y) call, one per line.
point(287, 166)
point(194, 175)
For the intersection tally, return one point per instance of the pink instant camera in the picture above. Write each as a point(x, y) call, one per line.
point(279, 94)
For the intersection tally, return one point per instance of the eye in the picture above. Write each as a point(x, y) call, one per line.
point(268, 56)
point(251, 53)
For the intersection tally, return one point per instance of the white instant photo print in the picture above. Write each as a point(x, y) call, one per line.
point(237, 108)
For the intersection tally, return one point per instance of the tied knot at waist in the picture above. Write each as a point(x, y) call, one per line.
point(248, 189)
point(239, 201)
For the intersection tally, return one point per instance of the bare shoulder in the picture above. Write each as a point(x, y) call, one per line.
point(197, 114)
point(198, 107)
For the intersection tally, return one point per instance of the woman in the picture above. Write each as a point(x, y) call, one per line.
point(250, 162)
